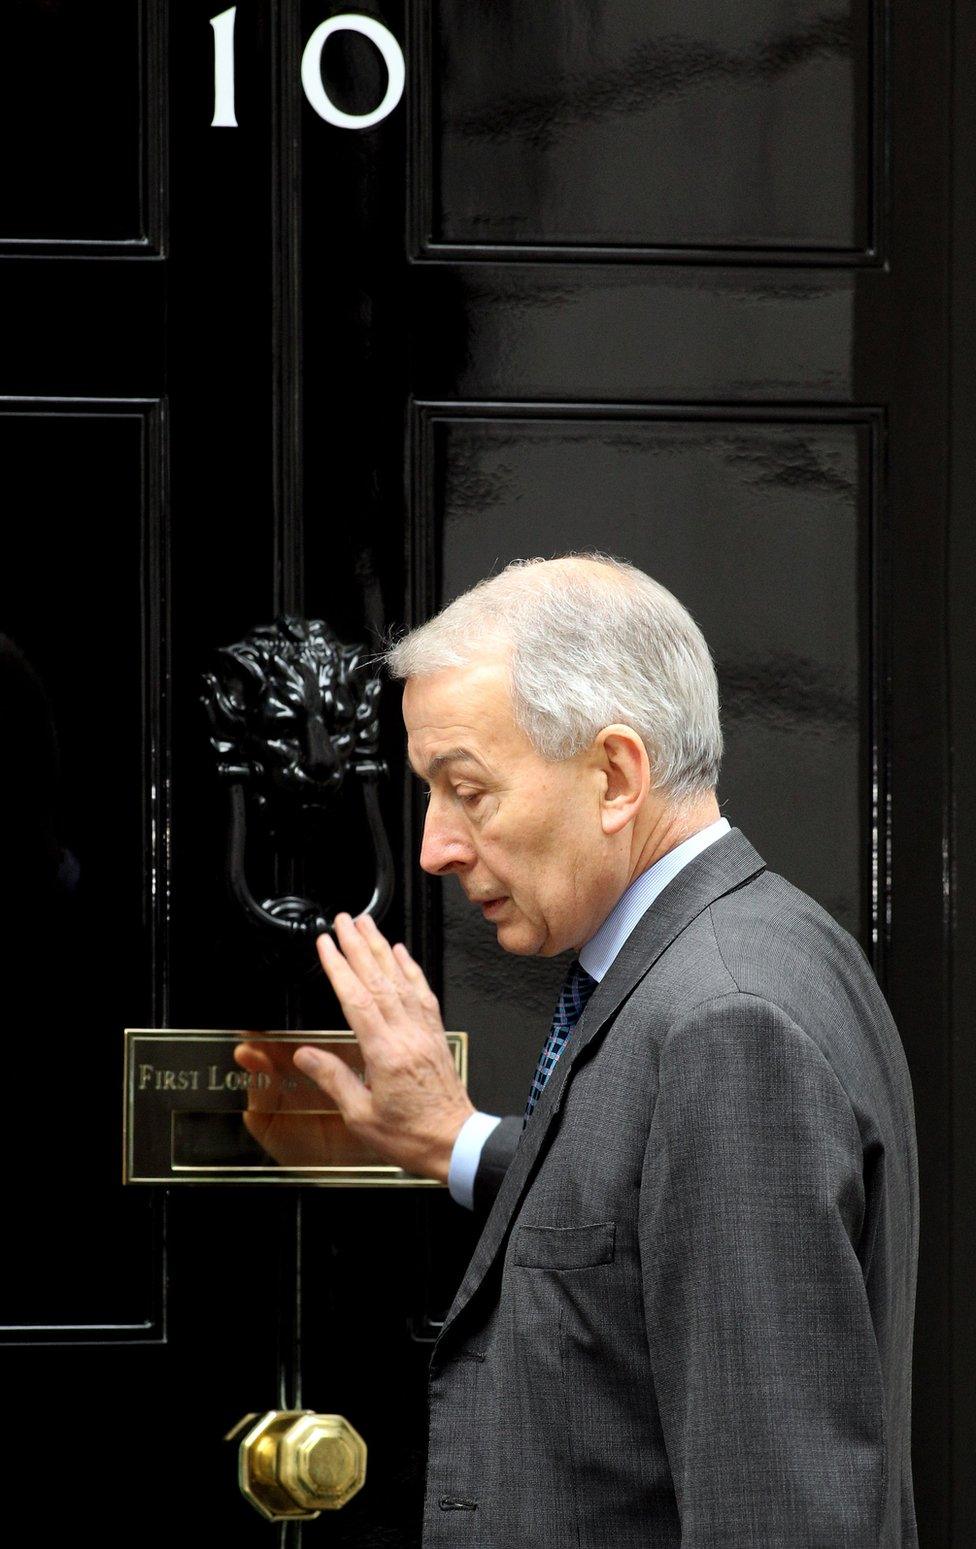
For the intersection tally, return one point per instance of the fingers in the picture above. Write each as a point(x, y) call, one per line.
point(396, 965)
point(371, 997)
point(333, 1077)
point(363, 1004)
point(422, 996)
point(383, 954)
point(400, 968)
point(413, 973)
point(369, 955)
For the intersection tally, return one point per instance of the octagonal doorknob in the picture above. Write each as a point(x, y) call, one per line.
point(293, 1464)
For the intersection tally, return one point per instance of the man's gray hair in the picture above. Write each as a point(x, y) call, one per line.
point(592, 641)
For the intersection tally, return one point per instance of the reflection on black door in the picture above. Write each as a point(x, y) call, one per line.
point(664, 281)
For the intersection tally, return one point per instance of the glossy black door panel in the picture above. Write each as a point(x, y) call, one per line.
point(80, 826)
point(631, 333)
point(654, 127)
point(80, 110)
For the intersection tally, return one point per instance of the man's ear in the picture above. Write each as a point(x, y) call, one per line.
point(627, 770)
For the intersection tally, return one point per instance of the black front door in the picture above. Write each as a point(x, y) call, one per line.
point(669, 282)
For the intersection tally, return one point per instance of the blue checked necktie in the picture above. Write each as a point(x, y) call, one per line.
point(575, 993)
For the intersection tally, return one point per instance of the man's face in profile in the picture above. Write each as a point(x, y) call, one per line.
point(523, 835)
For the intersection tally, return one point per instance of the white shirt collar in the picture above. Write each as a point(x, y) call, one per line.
point(599, 952)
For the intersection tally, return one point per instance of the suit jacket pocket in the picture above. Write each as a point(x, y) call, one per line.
point(564, 1247)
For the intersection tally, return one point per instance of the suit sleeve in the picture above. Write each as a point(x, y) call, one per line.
point(762, 1345)
point(496, 1154)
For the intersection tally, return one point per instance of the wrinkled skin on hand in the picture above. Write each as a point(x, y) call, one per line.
point(410, 1104)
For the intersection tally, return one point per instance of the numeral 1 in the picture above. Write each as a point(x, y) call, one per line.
point(223, 29)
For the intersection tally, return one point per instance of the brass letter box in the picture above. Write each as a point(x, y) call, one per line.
point(230, 1107)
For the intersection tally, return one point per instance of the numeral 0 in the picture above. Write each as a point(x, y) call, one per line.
point(224, 115)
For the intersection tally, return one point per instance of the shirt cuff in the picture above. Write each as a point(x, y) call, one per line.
point(466, 1156)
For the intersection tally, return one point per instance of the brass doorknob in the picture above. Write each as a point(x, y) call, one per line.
point(293, 1464)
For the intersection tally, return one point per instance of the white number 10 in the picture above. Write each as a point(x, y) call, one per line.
point(224, 115)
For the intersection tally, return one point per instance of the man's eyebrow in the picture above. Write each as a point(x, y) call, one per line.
point(451, 756)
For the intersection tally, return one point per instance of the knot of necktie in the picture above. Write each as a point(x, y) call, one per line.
point(573, 996)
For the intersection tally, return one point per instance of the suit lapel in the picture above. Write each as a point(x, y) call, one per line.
point(724, 865)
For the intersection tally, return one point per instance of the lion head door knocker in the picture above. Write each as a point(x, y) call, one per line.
point(294, 718)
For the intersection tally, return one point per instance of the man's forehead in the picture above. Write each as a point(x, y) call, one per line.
point(475, 695)
point(459, 711)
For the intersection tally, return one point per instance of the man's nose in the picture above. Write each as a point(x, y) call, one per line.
point(445, 846)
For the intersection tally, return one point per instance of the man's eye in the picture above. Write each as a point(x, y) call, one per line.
point(469, 797)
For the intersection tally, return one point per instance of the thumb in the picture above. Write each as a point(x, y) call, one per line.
point(333, 1077)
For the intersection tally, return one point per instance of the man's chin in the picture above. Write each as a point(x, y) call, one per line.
point(517, 937)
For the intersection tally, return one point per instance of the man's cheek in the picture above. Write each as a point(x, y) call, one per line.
point(496, 859)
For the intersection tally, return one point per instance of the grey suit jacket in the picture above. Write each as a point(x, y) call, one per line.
point(689, 1317)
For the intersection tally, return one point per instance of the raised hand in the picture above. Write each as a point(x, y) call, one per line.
point(411, 1104)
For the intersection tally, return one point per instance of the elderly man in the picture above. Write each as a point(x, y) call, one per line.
point(688, 1320)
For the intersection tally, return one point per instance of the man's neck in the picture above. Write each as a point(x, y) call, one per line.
point(671, 826)
point(600, 948)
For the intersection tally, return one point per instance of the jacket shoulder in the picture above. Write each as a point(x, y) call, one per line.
point(771, 935)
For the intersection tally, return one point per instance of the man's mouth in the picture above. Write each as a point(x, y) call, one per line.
point(489, 905)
